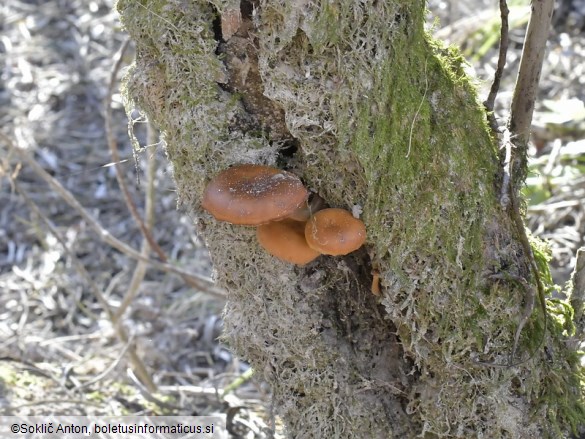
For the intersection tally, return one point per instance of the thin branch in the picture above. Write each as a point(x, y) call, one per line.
point(141, 266)
point(201, 283)
point(148, 394)
point(506, 146)
point(577, 298)
point(196, 390)
point(491, 99)
point(108, 369)
point(516, 140)
point(238, 382)
point(529, 72)
point(113, 145)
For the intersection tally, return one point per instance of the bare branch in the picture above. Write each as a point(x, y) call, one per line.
point(529, 72)
point(116, 156)
point(491, 99)
point(141, 266)
point(578, 297)
point(516, 138)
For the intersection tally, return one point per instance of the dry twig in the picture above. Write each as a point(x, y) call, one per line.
point(116, 156)
point(491, 99)
point(140, 269)
point(515, 165)
point(529, 77)
point(578, 297)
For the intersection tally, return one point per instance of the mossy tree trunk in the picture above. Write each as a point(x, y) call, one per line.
point(376, 118)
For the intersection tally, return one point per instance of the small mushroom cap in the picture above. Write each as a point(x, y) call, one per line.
point(335, 232)
point(253, 194)
point(285, 239)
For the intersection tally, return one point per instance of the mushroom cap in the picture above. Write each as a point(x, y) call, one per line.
point(253, 194)
point(285, 240)
point(335, 232)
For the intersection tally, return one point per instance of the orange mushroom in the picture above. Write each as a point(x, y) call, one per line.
point(253, 195)
point(335, 232)
point(285, 240)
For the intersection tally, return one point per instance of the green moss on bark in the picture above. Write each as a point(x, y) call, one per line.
point(385, 123)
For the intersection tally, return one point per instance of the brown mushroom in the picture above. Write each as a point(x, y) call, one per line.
point(285, 240)
point(253, 195)
point(335, 232)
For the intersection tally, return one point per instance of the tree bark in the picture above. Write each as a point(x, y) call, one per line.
point(376, 118)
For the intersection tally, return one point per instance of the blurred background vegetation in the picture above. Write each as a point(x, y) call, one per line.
point(85, 328)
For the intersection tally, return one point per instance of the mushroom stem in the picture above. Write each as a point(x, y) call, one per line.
point(308, 209)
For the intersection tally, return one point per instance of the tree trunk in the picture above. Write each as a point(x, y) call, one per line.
point(374, 117)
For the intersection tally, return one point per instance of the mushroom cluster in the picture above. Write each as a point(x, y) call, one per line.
point(276, 201)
